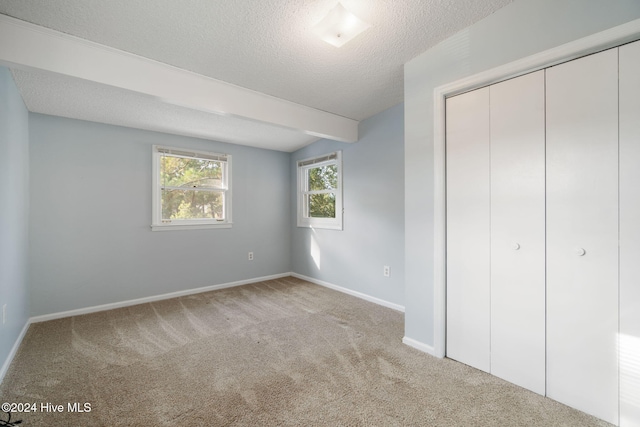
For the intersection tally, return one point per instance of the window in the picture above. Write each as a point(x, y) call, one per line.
point(320, 192)
point(190, 189)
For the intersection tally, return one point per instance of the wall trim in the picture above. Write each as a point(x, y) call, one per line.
point(127, 303)
point(357, 294)
point(14, 350)
point(425, 348)
point(612, 37)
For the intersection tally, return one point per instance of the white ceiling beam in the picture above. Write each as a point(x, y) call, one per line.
point(31, 46)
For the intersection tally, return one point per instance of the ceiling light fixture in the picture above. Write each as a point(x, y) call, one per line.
point(339, 26)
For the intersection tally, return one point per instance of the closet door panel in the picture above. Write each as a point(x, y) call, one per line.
point(630, 235)
point(518, 231)
point(468, 205)
point(582, 234)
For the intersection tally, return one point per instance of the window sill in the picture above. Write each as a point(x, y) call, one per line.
point(171, 227)
point(321, 226)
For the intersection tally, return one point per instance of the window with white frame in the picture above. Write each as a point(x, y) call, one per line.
point(320, 192)
point(191, 189)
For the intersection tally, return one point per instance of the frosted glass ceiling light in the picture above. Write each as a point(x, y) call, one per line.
point(339, 26)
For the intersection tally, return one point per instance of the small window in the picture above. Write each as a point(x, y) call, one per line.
point(190, 189)
point(320, 192)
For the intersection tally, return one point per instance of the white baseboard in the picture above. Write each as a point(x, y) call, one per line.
point(426, 348)
point(14, 350)
point(360, 295)
point(144, 300)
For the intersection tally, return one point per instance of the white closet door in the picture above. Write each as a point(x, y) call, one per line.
point(518, 231)
point(582, 234)
point(468, 204)
point(630, 235)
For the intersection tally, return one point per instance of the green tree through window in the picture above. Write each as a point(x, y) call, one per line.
point(189, 188)
point(323, 205)
point(320, 191)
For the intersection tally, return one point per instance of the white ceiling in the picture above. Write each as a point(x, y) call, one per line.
point(266, 46)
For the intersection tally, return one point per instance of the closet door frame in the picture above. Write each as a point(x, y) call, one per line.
point(600, 41)
point(629, 292)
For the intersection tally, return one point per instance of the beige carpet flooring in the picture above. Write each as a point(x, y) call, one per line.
point(277, 353)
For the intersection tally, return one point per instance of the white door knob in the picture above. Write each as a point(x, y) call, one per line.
point(580, 251)
point(516, 246)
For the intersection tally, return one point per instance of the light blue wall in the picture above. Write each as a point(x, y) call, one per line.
point(520, 29)
point(14, 212)
point(91, 241)
point(373, 235)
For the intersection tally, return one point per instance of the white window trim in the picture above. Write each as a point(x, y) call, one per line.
point(156, 198)
point(314, 162)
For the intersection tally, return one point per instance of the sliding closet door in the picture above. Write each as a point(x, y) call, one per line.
point(468, 219)
point(582, 234)
point(630, 235)
point(518, 231)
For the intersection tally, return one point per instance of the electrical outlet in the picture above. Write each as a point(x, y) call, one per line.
point(4, 313)
point(385, 271)
point(250, 256)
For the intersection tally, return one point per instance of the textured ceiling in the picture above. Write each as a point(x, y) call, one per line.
point(263, 45)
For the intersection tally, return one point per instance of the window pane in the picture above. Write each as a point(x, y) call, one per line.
point(191, 173)
point(191, 204)
point(323, 178)
point(322, 205)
